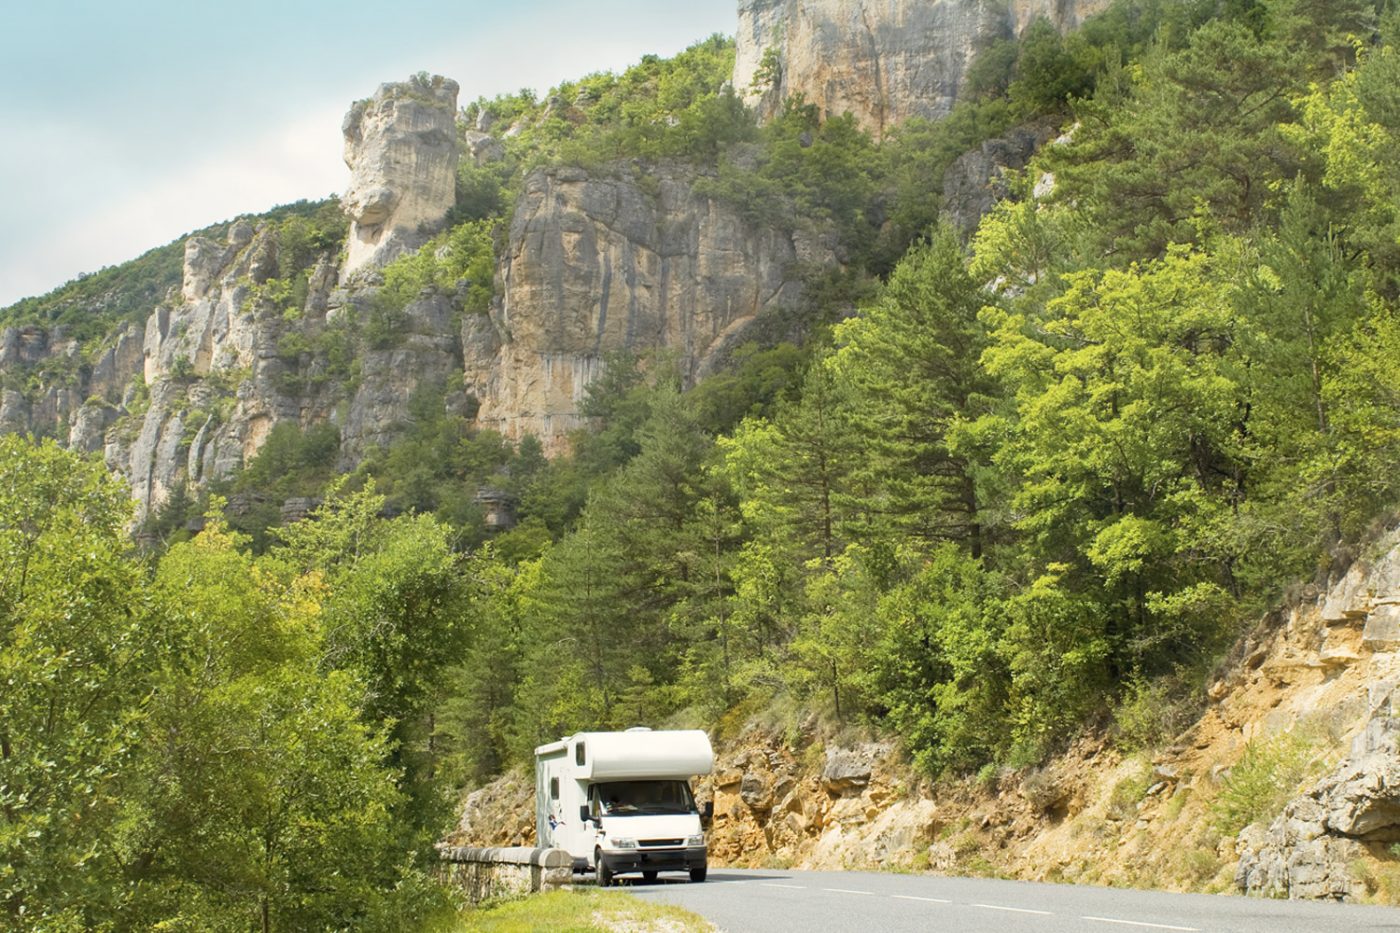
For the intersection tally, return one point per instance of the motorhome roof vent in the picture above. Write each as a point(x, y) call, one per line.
point(640, 729)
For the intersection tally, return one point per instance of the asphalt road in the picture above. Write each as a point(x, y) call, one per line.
point(813, 901)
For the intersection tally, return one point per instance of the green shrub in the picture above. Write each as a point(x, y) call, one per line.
point(1270, 772)
point(464, 254)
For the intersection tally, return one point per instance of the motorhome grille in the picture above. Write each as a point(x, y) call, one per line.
point(657, 843)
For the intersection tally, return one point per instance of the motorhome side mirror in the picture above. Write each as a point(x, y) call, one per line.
point(583, 813)
point(707, 812)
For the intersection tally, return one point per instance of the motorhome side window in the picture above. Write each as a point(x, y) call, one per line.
point(553, 788)
point(578, 754)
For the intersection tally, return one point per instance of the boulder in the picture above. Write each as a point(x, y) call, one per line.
point(848, 770)
point(1382, 629)
point(756, 790)
point(483, 148)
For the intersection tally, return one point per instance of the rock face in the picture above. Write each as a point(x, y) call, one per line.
point(622, 260)
point(883, 61)
point(1308, 852)
point(976, 181)
point(598, 263)
point(401, 147)
point(500, 814)
point(212, 372)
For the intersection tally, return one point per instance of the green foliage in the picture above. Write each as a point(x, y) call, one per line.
point(1153, 712)
point(461, 261)
point(300, 240)
point(395, 619)
point(1194, 147)
point(936, 666)
point(1129, 393)
point(175, 752)
point(475, 722)
point(292, 461)
point(77, 642)
point(808, 172)
point(1323, 36)
point(659, 108)
point(912, 360)
point(258, 761)
point(1351, 125)
point(606, 590)
point(755, 381)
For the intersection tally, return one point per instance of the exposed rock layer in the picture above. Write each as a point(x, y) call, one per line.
point(883, 61)
point(977, 180)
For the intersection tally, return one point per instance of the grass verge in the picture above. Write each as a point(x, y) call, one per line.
point(584, 910)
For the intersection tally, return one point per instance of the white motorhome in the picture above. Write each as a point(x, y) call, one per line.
point(621, 801)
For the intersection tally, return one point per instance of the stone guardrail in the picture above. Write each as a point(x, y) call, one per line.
point(486, 874)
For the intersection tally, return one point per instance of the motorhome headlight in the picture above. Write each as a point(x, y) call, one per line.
point(698, 840)
point(622, 843)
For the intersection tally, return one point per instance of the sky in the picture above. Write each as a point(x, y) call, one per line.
point(128, 123)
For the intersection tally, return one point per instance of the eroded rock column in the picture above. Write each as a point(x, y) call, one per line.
point(401, 147)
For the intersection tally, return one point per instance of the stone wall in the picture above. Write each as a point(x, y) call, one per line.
point(490, 874)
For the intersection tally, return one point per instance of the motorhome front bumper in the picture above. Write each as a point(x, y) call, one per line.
point(655, 859)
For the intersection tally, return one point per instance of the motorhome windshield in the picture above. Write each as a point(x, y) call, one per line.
point(625, 798)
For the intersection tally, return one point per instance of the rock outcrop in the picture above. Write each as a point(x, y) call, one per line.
point(1311, 849)
point(883, 61)
point(1308, 852)
point(629, 260)
point(500, 814)
point(401, 146)
point(977, 180)
point(213, 377)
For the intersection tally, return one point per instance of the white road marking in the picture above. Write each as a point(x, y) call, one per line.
point(1015, 910)
point(911, 897)
point(846, 891)
point(1139, 923)
point(791, 887)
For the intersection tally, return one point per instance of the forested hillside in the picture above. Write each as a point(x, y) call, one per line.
point(976, 494)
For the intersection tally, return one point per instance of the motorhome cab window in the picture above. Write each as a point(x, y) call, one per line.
point(553, 788)
point(637, 797)
point(578, 754)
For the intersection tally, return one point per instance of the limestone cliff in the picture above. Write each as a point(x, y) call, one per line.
point(602, 262)
point(189, 395)
point(401, 146)
point(622, 258)
point(883, 61)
